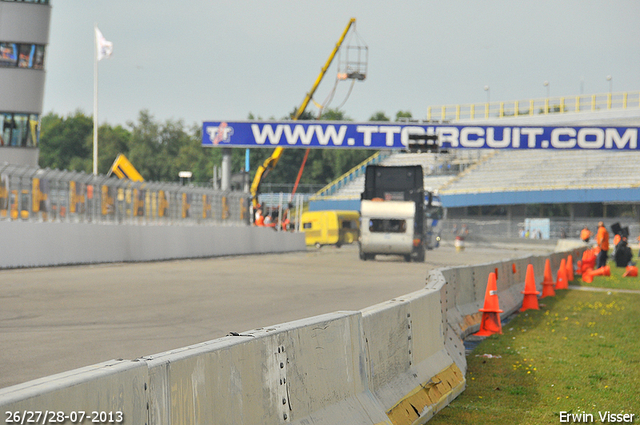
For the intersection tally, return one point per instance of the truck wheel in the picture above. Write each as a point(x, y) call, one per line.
point(363, 256)
point(318, 245)
point(407, 258)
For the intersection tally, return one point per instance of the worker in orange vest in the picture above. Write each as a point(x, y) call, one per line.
point(585, 235)
point(602, 238)
point(259, 218)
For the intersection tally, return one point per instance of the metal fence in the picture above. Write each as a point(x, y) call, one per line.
point(36, 194)
point(559, 228)
point(544, 106)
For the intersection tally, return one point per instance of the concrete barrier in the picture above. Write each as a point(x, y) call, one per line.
point(105, 392)
point(308, 371)
point(410, 370)
point(395, 363)
point(32, 244)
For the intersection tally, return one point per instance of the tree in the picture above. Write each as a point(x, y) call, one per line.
point(155, 147)
point(66, 143)
point(379, 116)
point(111, 142)
point(403, 114)
point(334, 115)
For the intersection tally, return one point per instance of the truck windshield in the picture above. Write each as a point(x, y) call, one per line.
point(387, 225)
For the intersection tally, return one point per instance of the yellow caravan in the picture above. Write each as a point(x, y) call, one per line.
point(330, 227)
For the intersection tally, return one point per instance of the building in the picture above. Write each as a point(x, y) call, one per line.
point(24, 37)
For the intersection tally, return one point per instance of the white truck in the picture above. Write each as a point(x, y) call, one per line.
point(392, 213)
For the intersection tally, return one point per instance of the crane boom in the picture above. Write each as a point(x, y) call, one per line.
point(272, 161)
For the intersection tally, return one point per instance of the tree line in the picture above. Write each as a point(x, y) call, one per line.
point(159, 150)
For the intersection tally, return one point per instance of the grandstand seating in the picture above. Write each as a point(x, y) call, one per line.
point(547, 170)
point(473, 171)
point(439, 169)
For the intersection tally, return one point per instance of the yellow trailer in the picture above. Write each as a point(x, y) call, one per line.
point(331, 227)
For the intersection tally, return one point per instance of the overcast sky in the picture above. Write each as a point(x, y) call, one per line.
point(196, 60)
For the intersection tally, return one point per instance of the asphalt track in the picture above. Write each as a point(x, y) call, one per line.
point(56, 319)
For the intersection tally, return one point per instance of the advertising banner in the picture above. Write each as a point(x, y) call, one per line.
point(373, 135)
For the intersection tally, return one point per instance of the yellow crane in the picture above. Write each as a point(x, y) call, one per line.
point(272, 161)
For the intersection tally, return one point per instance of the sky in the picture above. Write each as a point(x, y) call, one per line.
point(196, 60)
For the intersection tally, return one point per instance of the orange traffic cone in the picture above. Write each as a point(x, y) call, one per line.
point(632, 271)
point(588, 260)
point(602, 271)
point(562, 282)
point(589, 274)
point(547, 283)
point(579, 269)
point(530, 301)
point(496, 272)
point(513, 268)
point(570, 276)
point(587, 277)
point(548, 277)
point(490, 323)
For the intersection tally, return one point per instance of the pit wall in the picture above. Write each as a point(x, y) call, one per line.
point(33, 244)
point(394, 363)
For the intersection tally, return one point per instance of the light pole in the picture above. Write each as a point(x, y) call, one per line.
point(610, 80)
point(487, 89)
point(546, 84)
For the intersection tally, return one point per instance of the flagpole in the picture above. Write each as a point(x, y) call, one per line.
point(95, 100)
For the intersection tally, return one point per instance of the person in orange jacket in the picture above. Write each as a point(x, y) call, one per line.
point(602, 238)
point(585, 235)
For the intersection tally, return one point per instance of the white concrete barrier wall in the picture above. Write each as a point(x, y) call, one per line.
point(102, 393)
point(31, 244)
point(309, 370)
point(396, 363)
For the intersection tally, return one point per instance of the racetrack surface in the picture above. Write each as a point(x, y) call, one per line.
point(56, 319)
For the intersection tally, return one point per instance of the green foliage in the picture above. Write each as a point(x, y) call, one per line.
point(63, 139)
point(403, 114)
point(334, 115)
point(379, 117)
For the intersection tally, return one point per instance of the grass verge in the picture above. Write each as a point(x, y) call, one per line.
point(579, 353)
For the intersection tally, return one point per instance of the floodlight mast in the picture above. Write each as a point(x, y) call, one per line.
point(272, 161)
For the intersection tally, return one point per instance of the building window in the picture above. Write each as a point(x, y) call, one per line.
point(21, 55)
point(19, 130)
point(8, 54)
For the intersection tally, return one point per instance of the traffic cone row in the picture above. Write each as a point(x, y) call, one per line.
point(491, 324)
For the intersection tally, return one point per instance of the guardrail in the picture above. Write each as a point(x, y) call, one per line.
point(530, 107)
point(36, 194)
point(395, 363)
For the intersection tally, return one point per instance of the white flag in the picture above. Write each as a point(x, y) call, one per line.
point(105, 48)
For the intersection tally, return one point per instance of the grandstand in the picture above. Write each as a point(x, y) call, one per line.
point(467, 172)
point(514, 184)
